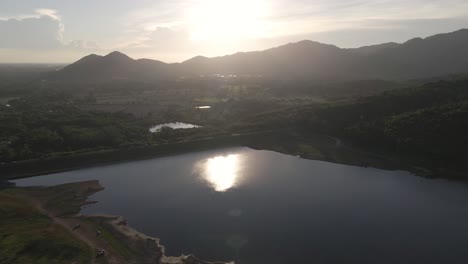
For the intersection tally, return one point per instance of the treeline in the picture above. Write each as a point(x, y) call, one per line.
point(430, 121)
point(46, 123)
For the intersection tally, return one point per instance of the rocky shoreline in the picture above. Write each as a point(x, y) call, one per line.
point(103, 238)
point(149, 249)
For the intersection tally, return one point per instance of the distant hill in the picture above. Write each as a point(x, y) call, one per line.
point(370, 50)
point(434, 56)
point(114, 66)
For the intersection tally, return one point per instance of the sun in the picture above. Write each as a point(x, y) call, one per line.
point(227, 19)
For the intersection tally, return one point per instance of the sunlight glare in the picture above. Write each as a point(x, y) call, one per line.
point(227, 19)
point(222, 172)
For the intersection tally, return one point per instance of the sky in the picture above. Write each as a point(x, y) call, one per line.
point(62, 31)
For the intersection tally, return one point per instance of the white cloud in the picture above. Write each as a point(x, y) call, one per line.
point(49, 13)
point(36, 33)
point(82, 44)
point(42, 29)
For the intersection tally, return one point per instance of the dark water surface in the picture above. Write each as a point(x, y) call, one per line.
point(264, 207)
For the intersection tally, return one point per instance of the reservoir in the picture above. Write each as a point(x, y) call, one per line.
point(253, 206)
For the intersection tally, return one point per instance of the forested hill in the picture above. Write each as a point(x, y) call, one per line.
point(434, 56)
point(430, 121)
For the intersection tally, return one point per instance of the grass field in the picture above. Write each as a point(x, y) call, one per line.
point(36, 226)
point(28, 236)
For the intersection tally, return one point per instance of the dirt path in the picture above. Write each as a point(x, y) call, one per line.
point(137, 247)
point(68, 225)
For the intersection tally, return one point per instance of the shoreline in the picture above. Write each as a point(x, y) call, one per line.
point(37, 167)
point(149, 247)
point(117, 224)
point(285, 141)
point(62, 205)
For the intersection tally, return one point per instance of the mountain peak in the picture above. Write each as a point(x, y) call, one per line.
point(117, 55)
point(196, 59)
point(305, 42)
point(306, 45)
point(416, 58)
point(92, 58)
point(414, 41)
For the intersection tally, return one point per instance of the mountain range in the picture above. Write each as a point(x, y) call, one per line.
point(434, 56)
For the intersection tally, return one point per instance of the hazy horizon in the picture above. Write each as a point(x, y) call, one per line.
point(173, 31)
point(107, 52)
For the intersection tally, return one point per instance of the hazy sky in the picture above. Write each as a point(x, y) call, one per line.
point(175, 30)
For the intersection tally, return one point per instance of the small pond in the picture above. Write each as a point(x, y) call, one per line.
point(173, 125)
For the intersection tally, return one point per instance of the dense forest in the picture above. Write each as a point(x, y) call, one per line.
point(31, 128)
point(426, 122)
point(429, 121)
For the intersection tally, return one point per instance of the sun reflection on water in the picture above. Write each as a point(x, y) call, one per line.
point(222, 172)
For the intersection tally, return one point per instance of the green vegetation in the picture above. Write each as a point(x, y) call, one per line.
point(35, 126)
point(39, 225)
point(110, 238)
point(429, 123)
point(28, 236)
point(78, 124)
point(55, 120)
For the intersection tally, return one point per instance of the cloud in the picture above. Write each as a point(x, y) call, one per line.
point(160, 38)
point(82, 44)
point(49, 13)
point(143, 27)
point(38, 31)
point(160, 43)
point(330, 15)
